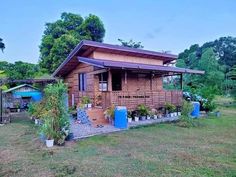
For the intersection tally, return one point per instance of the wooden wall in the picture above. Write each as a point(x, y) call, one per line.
point(73, 83)
point(125, 58)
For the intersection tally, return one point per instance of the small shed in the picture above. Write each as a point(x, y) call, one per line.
point(20, 96)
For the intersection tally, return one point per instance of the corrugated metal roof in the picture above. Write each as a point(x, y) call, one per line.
point(86, 46)
point(19, 86)
point(127, 65)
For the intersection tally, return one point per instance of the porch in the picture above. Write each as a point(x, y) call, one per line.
point(154, 99)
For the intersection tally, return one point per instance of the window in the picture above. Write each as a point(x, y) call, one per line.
point(103, 78)
point(82, 81)
point(116, 81)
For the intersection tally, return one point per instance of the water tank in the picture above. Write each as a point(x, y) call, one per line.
point(120, 117)
point(196, 110)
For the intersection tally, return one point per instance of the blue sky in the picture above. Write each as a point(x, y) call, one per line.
point(171, 25)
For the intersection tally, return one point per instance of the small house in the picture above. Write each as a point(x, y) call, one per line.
point(20, 96)
point(111, 74)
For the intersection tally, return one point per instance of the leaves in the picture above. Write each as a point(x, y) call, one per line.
point(131, 44)
point(61, 37)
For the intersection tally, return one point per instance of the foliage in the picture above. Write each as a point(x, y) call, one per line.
point(143, 110)
point(187, 108)
point(55, 114)
point(110, 112)
point(216, 58)
point(85, 100)
point(131, 44)
point(2, 45)
point(61, 36)
point(170, 107)
point(185, 119)
point(21, 70)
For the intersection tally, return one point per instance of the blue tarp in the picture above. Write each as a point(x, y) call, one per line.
point(35, 95)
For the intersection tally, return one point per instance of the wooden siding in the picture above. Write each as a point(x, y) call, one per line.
point(126, 58)
point(73, 83)
point(153, 99)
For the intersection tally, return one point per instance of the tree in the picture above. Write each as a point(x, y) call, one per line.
point(131, 44)
point(20, 70)
point(2, 45)
point(62, 36)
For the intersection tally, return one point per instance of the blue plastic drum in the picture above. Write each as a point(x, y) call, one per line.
point(196, 110)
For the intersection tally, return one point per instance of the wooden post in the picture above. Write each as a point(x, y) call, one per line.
point(109, 81)
point(181, 81)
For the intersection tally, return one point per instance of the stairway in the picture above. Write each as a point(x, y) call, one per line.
point(96, 116)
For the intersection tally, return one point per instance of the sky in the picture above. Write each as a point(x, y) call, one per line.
point(160, 25)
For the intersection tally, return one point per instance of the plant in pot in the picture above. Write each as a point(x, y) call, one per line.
point(178, 110)
point(18, 107)
point(129, 116)
point(143, 111)
point(154, 113)
point(135, 115)
point(86, 102)
point(110, 114)
point(48, 130)
point(170, 108)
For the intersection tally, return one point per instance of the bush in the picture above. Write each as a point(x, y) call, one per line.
point(185, 119)
point(143, 110)
point(54, 112)
point(170, 107)
point(85, 100)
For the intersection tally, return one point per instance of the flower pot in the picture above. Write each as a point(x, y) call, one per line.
point(36, 121)
point(179, 113)
point(148, 117)
point(49, 143)
point(159, 116)
point(175, 114)
point(143, 117)
point(89, 105)
point(129, 119)
point(172, 114)
point(136, 119)
point(155, 117)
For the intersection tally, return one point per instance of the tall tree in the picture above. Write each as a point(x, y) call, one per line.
point(62, 36)
point(131, 44)
point(2, 45)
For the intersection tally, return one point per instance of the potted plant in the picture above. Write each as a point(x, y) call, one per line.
point(110, 114)
point(170, 108)
point(135, 115)
point(86, 102)
point(143, 111)
point(178, 110)
point(129, 117)
point(48, 131)
point(153, 113)
point(18, 107)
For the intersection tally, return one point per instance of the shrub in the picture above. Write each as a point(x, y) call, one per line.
point(170, 107)
point(85, 100)
point(54, 112)
point(185, 119)
point(110, 112)
point(143, 110)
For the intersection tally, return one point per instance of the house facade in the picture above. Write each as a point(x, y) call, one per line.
point(111, 74)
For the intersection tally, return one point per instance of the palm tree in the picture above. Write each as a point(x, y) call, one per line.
point(2, 45)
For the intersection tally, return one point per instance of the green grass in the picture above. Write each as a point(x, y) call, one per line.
point(157, 150)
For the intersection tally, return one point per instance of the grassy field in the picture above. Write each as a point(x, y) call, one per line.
point(158, 150)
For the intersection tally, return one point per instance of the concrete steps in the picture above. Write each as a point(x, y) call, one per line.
point(96, 116)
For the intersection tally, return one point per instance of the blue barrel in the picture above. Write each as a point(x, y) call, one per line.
point(196, 109)
point(120, 117)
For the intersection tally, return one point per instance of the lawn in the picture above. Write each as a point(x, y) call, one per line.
point(157, 150)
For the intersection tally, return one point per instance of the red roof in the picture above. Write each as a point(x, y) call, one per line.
point(85, 47)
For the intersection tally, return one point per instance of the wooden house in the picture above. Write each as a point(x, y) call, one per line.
point(112, 74)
